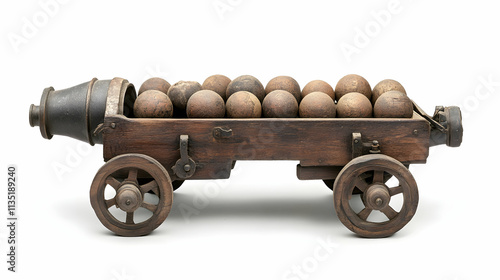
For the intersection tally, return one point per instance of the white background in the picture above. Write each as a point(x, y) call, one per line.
point(263, 221)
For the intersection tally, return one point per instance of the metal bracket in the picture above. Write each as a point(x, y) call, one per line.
point(360, 148)
point(102, 126)
point(432, 120)
point(222, 132)
point(185, 166)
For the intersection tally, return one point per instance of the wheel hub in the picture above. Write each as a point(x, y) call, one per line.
point(377, 196)
point(128, 197)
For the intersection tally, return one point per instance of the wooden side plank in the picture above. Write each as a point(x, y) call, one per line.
point(317, 172)
point(314, 142)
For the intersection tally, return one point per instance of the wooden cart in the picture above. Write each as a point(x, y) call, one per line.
point(355, 158)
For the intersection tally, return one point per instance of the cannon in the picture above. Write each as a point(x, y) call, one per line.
point(366, 159)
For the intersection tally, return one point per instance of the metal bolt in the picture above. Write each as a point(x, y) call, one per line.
point(375, 147)
point(356, 141)
point(187, 167)
point(378, 201)
point(128, 202)
point(113, 125)
point(415, 132)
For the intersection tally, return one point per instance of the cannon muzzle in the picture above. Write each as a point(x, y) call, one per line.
point(77, 111)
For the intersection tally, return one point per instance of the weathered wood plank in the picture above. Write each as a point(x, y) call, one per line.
point(313, 142)
point(317, 172)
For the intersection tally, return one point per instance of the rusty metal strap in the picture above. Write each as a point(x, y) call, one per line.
point(432, 122)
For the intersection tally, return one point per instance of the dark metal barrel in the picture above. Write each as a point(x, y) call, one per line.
point(77, 111)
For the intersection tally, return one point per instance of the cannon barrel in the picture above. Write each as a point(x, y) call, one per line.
point(78, 111)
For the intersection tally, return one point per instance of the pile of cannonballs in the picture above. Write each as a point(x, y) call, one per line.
point(246, 97)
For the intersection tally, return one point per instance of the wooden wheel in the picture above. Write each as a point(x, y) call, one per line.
point(120, 176)
point(367, 173)
point(175, 184)
point(330, 182)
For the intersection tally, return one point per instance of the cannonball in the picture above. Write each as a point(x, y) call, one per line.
point(243, 104)
point(246, 83)
point(318, 85)
point(393, 104)
point(317, 105)
point(352, 83)
point(280, 104)
point(354, 105)
point(385, 86)
point(284, 83)
point(217, 83)
point(181, 91)
point(156, 84)
point(205, 104)
point(153, 104)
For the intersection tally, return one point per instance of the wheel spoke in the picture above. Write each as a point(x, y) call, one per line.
point(389, 212)
point(365, 176)
point(361, 184)
point(113, 182)
point(365, 213)
point(130, 218)
point(149, 206)
point(378, 176)
point(110, 202)
point(132, 174)
point(151, 186)
point(396, 190)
